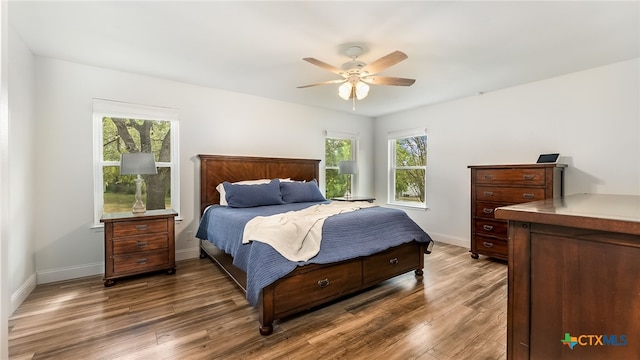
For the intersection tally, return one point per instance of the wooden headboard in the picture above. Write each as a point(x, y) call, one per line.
point(214, 169)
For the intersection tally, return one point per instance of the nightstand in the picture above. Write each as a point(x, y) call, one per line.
point(138, 243)
point(355, 198)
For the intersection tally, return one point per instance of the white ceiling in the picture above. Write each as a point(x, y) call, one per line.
point(455, 49)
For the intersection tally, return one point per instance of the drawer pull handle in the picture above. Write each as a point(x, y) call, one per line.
point(488, 193)
point(488, 177)
point(528, 177)
point(141, 227)
point(487, 210)
point(141, 244)
point(487, 227)
point(141, 261)
point(394, 261)
point(323, 283)
point(528, 195)
point(487, 244)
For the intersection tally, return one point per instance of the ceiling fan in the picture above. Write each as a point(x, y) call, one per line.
point(356, 74)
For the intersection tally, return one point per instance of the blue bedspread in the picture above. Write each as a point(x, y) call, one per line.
point(344, 236)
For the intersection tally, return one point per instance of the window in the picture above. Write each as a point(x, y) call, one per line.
point(122, 128)
point(408, 168)
point(339, 146)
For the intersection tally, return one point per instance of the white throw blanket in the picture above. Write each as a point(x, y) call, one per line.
point(297, 234)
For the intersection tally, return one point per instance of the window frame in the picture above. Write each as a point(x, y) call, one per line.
point(393, 137)
point(109, 108)
point(341, 135)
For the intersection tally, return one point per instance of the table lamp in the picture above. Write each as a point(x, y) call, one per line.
point(138, 164)
point(348, 167)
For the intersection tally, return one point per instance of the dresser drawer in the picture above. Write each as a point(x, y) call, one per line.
point(140, 243)
point(128, 228)
point(491, 227)
point(391, 263)
point(509, 194)
point(137, 262)
point(486, 210)
point(491, 246)
point(510, 176)
point(316, 285)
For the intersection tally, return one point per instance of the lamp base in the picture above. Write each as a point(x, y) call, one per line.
point(139, 207)
point(347, 195)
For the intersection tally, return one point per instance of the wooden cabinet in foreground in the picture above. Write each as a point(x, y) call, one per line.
point(574, 289)
point(138, 243)
point(493, 186)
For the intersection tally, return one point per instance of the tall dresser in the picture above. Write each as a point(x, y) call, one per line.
point(493, 186)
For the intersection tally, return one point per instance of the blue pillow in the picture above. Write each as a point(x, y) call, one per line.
point(298, 191)
point(242, 196)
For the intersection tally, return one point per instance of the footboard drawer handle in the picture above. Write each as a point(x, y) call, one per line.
point(394, 261)
point(141, 244)
point(488, 193)
point(487, 227)
point(141, 227)
point(487, 210)
point(528, 176)
point(323, 283)
point(487, 244)
point(528, 195)
point(141, 261)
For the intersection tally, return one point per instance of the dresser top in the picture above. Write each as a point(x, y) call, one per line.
point(517, 166)
point(616, 213)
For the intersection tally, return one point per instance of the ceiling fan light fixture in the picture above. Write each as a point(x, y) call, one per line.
point(344, 91)
point(362, 90)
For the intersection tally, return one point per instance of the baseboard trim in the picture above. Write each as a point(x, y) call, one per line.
point(186, 254)
point(74, 272)
point(71, 272)
point(21, 294)
point(462, 242)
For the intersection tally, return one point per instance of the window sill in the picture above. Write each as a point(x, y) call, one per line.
point(409, 205)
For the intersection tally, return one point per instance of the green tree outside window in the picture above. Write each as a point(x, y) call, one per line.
point(409, 169)
point(120, 135)
point(336, 150)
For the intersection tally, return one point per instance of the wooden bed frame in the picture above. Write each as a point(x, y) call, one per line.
point(309, 285)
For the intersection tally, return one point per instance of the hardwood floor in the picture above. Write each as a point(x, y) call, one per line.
point(457, 312)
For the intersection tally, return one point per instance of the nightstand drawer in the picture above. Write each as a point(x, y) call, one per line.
point(128, 228)
point(140, 261)
point(140, 243)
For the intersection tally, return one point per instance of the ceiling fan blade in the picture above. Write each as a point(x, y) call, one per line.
point(324, 65)
point(384, 62)
point(388, 80)
point(323, 83)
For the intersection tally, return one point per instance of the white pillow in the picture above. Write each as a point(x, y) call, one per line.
point(223, 196)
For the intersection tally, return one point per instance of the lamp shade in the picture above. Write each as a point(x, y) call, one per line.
point(137, 164)
point(348, 167)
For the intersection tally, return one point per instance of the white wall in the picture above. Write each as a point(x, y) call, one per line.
point(211, 122)
point(21, 176)
point(4, 183)
point(591, 117)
